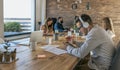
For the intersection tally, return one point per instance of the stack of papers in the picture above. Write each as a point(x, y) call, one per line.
point(53, 49)
point(46, 46)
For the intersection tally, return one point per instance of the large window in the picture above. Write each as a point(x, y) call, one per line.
point(17, 16)
point(17, 8)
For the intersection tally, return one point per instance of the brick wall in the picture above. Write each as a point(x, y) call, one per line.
point(99, 9)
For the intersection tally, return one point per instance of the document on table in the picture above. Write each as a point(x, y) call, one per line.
point(46, 46)
point(53, 49)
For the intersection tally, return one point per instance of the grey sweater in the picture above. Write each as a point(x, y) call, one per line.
point(99, 44)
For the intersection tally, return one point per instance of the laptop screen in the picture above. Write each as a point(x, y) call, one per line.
point(36, 36)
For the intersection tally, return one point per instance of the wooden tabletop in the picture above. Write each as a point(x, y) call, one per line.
point(28, 59)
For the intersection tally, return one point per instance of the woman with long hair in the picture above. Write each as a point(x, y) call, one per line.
point(108, 26)
point(48, 26)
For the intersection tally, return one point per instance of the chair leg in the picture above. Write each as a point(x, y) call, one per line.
point(82, 67)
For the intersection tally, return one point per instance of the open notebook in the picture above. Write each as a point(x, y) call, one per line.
point(54, 49)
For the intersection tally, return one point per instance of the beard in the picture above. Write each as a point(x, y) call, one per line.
point(61, 21)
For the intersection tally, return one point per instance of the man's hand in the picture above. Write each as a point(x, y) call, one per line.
point(69, 47)
point(74, 42)
point(66, 43)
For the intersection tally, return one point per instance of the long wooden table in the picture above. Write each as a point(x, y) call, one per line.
point(28, 60)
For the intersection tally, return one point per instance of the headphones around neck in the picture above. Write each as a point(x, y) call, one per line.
point(85, 24)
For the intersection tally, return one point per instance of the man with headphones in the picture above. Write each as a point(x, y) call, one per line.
point(97, 43)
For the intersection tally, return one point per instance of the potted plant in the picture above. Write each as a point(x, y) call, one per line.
point(13, 55)
point(7, 57)
point(7, 53)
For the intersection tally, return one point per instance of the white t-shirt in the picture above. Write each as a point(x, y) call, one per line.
point(110, 33)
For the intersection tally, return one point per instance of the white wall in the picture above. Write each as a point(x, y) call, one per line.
point(40, 12)
point(33, 15)
point(1, 20)
point(43, 11)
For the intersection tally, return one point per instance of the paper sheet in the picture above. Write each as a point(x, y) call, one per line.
point(47, 46)
point(53, 49)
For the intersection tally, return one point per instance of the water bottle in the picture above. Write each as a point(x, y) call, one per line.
point(69, 33)
point(33, 45)
point(56, 36)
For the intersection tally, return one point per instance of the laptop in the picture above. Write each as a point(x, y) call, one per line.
point(36, 36)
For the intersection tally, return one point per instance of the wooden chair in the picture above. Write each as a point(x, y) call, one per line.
point(83, 64)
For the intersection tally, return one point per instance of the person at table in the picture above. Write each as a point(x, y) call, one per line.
point(48, 26)
point(97, 42)
point(108, 26)
point(76, 18)
point(79, 28)
point(59, 25)
point(54, 21)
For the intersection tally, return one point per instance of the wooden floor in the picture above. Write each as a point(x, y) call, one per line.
point(28, 61)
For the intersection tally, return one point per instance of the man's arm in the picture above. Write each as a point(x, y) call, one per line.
point(78, 44)
point(56, 26)
point(90, 44)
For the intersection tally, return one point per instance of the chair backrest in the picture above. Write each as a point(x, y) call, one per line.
point(115, 65)
point(1, 41)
